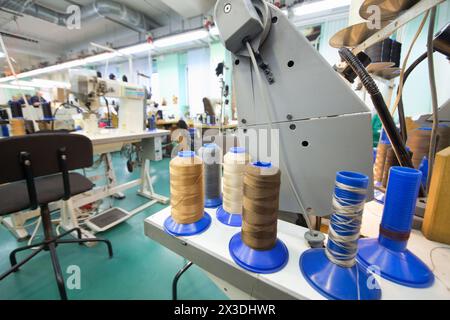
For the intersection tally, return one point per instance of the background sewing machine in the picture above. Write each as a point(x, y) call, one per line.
point(90, 90)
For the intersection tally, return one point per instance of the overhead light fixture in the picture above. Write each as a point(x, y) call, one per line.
point(143, 47)
point(10, 86)
point(21, 83)
point(159, 43)
point(312, 7)
point(41, 83)
point(44, 83)
point(181, 38)
point(99, 58)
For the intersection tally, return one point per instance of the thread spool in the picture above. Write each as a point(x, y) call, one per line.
point(256, 248)
point(4, 129)
point(260, 206)
point(389, 252)
point(17, 126)
point(391, 161)
point(380, 160)
point(29, 127)
point(235, 161)
point(419, 142)
point(334, 271)
point(16, 110)
point(186, 196)
point(212, 168)
point(396, 52)
point(47, 111)
point(424, 169)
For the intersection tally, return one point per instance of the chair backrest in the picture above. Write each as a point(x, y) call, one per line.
point(44, 151)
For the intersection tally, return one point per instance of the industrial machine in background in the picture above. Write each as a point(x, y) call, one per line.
point(90, 90)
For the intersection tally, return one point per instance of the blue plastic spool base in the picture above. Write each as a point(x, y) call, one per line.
point(213, 203)
point(258, 261)
point(329, 279)
point(336, 282)
point(390, 256)
point(230, 219)
point(379, 196)
point(401, 267)
point(177, 229)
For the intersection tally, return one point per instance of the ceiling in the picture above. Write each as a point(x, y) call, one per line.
point(51, 41)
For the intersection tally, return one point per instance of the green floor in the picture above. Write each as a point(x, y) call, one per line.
point(140, 269)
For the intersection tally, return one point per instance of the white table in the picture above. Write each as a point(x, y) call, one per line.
point(428, 251)
point(104, 143)
point(209, 251)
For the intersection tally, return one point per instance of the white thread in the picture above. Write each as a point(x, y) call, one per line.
point(233, 181)
point(347, 217)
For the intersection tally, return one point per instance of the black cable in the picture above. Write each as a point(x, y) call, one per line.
point(109, 112)
point(377, 98)
point(64, 105)
point(401, 109)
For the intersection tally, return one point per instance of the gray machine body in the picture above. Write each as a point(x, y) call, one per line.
point(323, 126)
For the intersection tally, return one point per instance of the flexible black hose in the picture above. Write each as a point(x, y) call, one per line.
point(385, 116)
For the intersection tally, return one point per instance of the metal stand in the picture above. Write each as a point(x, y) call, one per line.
point(16, 222)
point(50, 244)
point(177, 277)
point(70, 209)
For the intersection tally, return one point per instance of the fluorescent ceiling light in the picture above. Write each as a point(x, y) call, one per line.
point(319, 6)
point(10, 86)
point(99, 58)
point(44, 83)
point(143, 47)
point(181, 38)
point(160, 43)
point(21, 83)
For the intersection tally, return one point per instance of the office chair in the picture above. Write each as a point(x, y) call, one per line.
point(35, 171)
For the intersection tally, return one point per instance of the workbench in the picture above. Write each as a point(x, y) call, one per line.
point(209, 251)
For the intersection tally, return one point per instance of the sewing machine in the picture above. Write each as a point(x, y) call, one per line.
point(90, 90)
point(280, 82)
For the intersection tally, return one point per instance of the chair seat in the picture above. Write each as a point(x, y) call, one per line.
point(14, 196)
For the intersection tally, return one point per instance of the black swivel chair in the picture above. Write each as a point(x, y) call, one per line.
point(34, 171)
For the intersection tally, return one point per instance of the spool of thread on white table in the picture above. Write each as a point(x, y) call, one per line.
point(233, 179)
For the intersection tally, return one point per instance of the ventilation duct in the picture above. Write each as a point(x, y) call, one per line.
point(191, 8)
point(107, 9)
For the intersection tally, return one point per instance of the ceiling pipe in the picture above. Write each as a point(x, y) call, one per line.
point(107, 9)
